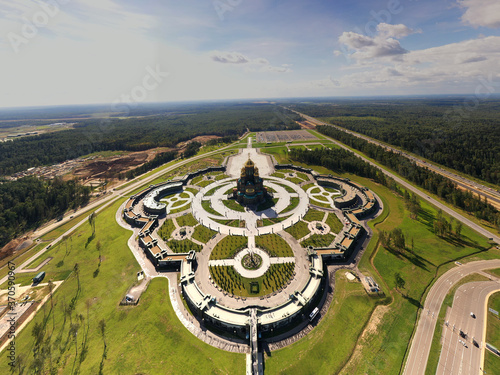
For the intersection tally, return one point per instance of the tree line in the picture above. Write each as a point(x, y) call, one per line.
point(422, 177)
point(30, 201)
point(138, 134)
point(442, 130)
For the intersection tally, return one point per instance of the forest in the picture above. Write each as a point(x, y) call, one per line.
point(423, 177)
point(141, 133)
point(453, 132)
point(30, 201)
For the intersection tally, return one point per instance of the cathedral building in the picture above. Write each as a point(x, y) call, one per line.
point(250, 189)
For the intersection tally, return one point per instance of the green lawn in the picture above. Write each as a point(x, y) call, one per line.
point(207, 207)
point(186, 221)
point(233, 205)
point(388, 346)
point(268, 203)
point(165, 231)
point(274, 245)
point(318, 240)
point(294, 202)
point(183, 246)
point(228, 247)
point(491, 363)
point(493, 330)
point(495, 272)
point(298, 230)
point(334, 223)
point(203, 234)
point(314, 215)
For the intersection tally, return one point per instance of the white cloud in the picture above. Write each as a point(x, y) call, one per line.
point(456, 68)
point(229, 57)
point(259, 64)
point(481, 12)
point(394, 31)
point(384, 44)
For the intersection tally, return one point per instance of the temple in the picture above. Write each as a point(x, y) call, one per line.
point(250, 188)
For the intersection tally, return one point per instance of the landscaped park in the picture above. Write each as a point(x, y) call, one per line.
point(209, 263)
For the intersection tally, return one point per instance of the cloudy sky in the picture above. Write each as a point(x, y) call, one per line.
point(103, 51)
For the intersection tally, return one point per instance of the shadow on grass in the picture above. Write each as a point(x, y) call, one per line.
point(415, 259)
point(413, 301)
point(89, 240)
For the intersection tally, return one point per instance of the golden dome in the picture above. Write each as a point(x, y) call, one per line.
point(249, 163)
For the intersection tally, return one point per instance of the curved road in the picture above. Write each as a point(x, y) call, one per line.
point(457, 357)
point(422, 340)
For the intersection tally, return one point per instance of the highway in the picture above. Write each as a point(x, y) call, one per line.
point(459, 355)
point(492, 195)
point(421, 194)
point(422, 340)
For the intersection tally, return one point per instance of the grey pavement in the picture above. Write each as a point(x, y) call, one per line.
point(418, 356)
point(457, 358)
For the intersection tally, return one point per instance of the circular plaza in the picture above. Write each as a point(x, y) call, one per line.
point(250, 238)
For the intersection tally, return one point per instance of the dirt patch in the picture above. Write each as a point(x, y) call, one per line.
point(370, 329)
point(202, 139)
point(306, 124)
point(111, 167)
point(375, 320)
point(11, 247)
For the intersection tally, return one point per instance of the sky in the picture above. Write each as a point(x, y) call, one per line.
point(57, 52)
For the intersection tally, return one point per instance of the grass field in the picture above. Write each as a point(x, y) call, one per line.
point(314, 215)
point(233, 205)
point(207, 207)
point(318, 240)
point(294, 202)
point(203, 234)
point(228, 247)
point(130, 330)
point(274, 245)
point(388, 346)
point(183, 246)
point(186, 221)
point(298, 230)
point(165, 231)
point(334, 223)
point(327, 348)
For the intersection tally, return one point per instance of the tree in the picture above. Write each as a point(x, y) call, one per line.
point(458, 229)
point(98, 246)
point(76, 269)
point(51, 289)
point(399, 281)
point(399, 239)
point(102, 328)
point(91, 219)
